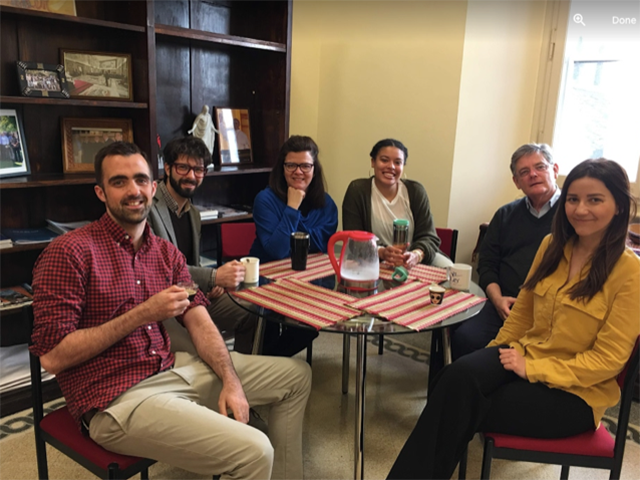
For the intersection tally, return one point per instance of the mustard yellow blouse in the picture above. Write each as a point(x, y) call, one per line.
point(572, 345)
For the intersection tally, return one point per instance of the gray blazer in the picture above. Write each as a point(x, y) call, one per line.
point(160, 222)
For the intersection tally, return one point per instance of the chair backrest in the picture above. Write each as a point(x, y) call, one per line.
point(236, 239)
point(626, 380)
point(448, 241)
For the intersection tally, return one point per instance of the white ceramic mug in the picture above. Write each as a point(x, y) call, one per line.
point(251, 269)
point(460, 276)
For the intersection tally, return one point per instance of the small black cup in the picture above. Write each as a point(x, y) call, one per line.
point(299, 250)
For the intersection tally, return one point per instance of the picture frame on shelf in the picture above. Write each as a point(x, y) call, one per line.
point(98, 75)
point(64, 7)
point(82, 138)
point(42, 80)
point(234, 137)
point(14, 160)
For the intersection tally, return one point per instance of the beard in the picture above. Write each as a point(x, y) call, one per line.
point(122, 215)
point(177, 185)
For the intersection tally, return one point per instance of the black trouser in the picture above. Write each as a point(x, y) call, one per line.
point(475, 393)
point(285, 340)
point(475, 333)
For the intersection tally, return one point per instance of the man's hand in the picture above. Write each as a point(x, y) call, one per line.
point(230, 275)
point(503, 305)
point(232, 398)
point(295, 197)
point(168, 303)
point(511, 360)
point(215, 292)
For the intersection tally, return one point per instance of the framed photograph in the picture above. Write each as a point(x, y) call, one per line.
point(95, 75)
point(65, 7)
point(82, 138)
point(13, 148)
point(234, 137)
point(42, 80)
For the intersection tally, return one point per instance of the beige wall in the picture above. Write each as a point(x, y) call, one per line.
point(455, 81)
point(363, 71)
point(500, 66)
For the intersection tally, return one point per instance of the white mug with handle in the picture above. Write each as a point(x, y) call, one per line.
point(460, 276)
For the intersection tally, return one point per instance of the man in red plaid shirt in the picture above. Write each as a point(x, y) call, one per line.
point(101, 294)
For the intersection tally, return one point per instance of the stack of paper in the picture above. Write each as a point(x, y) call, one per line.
point(24, 236)
point(62, 228)
point(5, 242)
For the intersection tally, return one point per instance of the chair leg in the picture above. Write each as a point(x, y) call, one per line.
point(113, 471)
point(564, 472)
point(615, 471)
point(309, 353)
point(486, 459)
point(381, 344)
point(462, 467)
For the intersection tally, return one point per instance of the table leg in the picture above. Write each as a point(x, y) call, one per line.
point(259, 335)
point(446, 345)
point(361, 371)
point(346, 346)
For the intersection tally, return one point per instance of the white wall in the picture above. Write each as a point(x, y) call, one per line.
point(495, 113)
point(455, 81)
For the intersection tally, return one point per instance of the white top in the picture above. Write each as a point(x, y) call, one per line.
point(384, 212)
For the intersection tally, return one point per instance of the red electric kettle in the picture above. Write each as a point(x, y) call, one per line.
point(359, 266)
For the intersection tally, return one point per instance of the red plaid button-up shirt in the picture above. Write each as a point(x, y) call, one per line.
point(88, 277)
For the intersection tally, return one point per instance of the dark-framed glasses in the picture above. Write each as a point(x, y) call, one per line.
point(539, 168)
point(184, 169)
point(304, 167)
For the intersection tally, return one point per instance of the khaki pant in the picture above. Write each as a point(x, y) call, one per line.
point(172, 417)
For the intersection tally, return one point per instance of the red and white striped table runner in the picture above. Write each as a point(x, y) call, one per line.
point(318, 266)
point(410, 305)
point(424, 273)
point(302, 301)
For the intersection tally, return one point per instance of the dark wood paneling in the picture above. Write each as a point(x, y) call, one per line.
point(175, 13)
point(174, 97)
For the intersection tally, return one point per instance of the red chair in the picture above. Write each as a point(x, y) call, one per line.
point(594, 449)
point(59, 430)
point(236, 239)
point(448, 241)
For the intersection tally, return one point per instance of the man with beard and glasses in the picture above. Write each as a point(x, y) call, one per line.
point(174, 218)
point(101, 295)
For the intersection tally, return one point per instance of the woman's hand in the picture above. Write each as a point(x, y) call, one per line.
point(295, 197)
point(391, 255)
point(411, 259)
point(513, 361)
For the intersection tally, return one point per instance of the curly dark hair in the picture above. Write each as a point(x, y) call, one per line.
point(389, 142)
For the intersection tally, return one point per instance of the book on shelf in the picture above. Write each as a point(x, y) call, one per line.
point(16, 297)
point(25, 236)
point(65, 227)
point(5, 242)
point(211, 211)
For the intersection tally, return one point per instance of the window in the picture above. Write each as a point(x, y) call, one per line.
point(593, 83)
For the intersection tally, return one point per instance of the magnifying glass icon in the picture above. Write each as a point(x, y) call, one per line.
point(578, 19)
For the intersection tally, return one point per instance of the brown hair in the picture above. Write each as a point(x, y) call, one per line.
point(613, 241)
point(124, 149)
point(314, 196)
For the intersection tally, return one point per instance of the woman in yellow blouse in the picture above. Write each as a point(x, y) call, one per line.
point(550, 372)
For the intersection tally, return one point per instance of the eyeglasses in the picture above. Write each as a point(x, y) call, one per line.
point(539, 168)
point(184, 169)
point(304, 167)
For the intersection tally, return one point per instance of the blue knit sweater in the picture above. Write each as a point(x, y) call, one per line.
point(275, 221)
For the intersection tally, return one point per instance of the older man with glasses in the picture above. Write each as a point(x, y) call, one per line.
point(174, 218)
point(510, 244)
